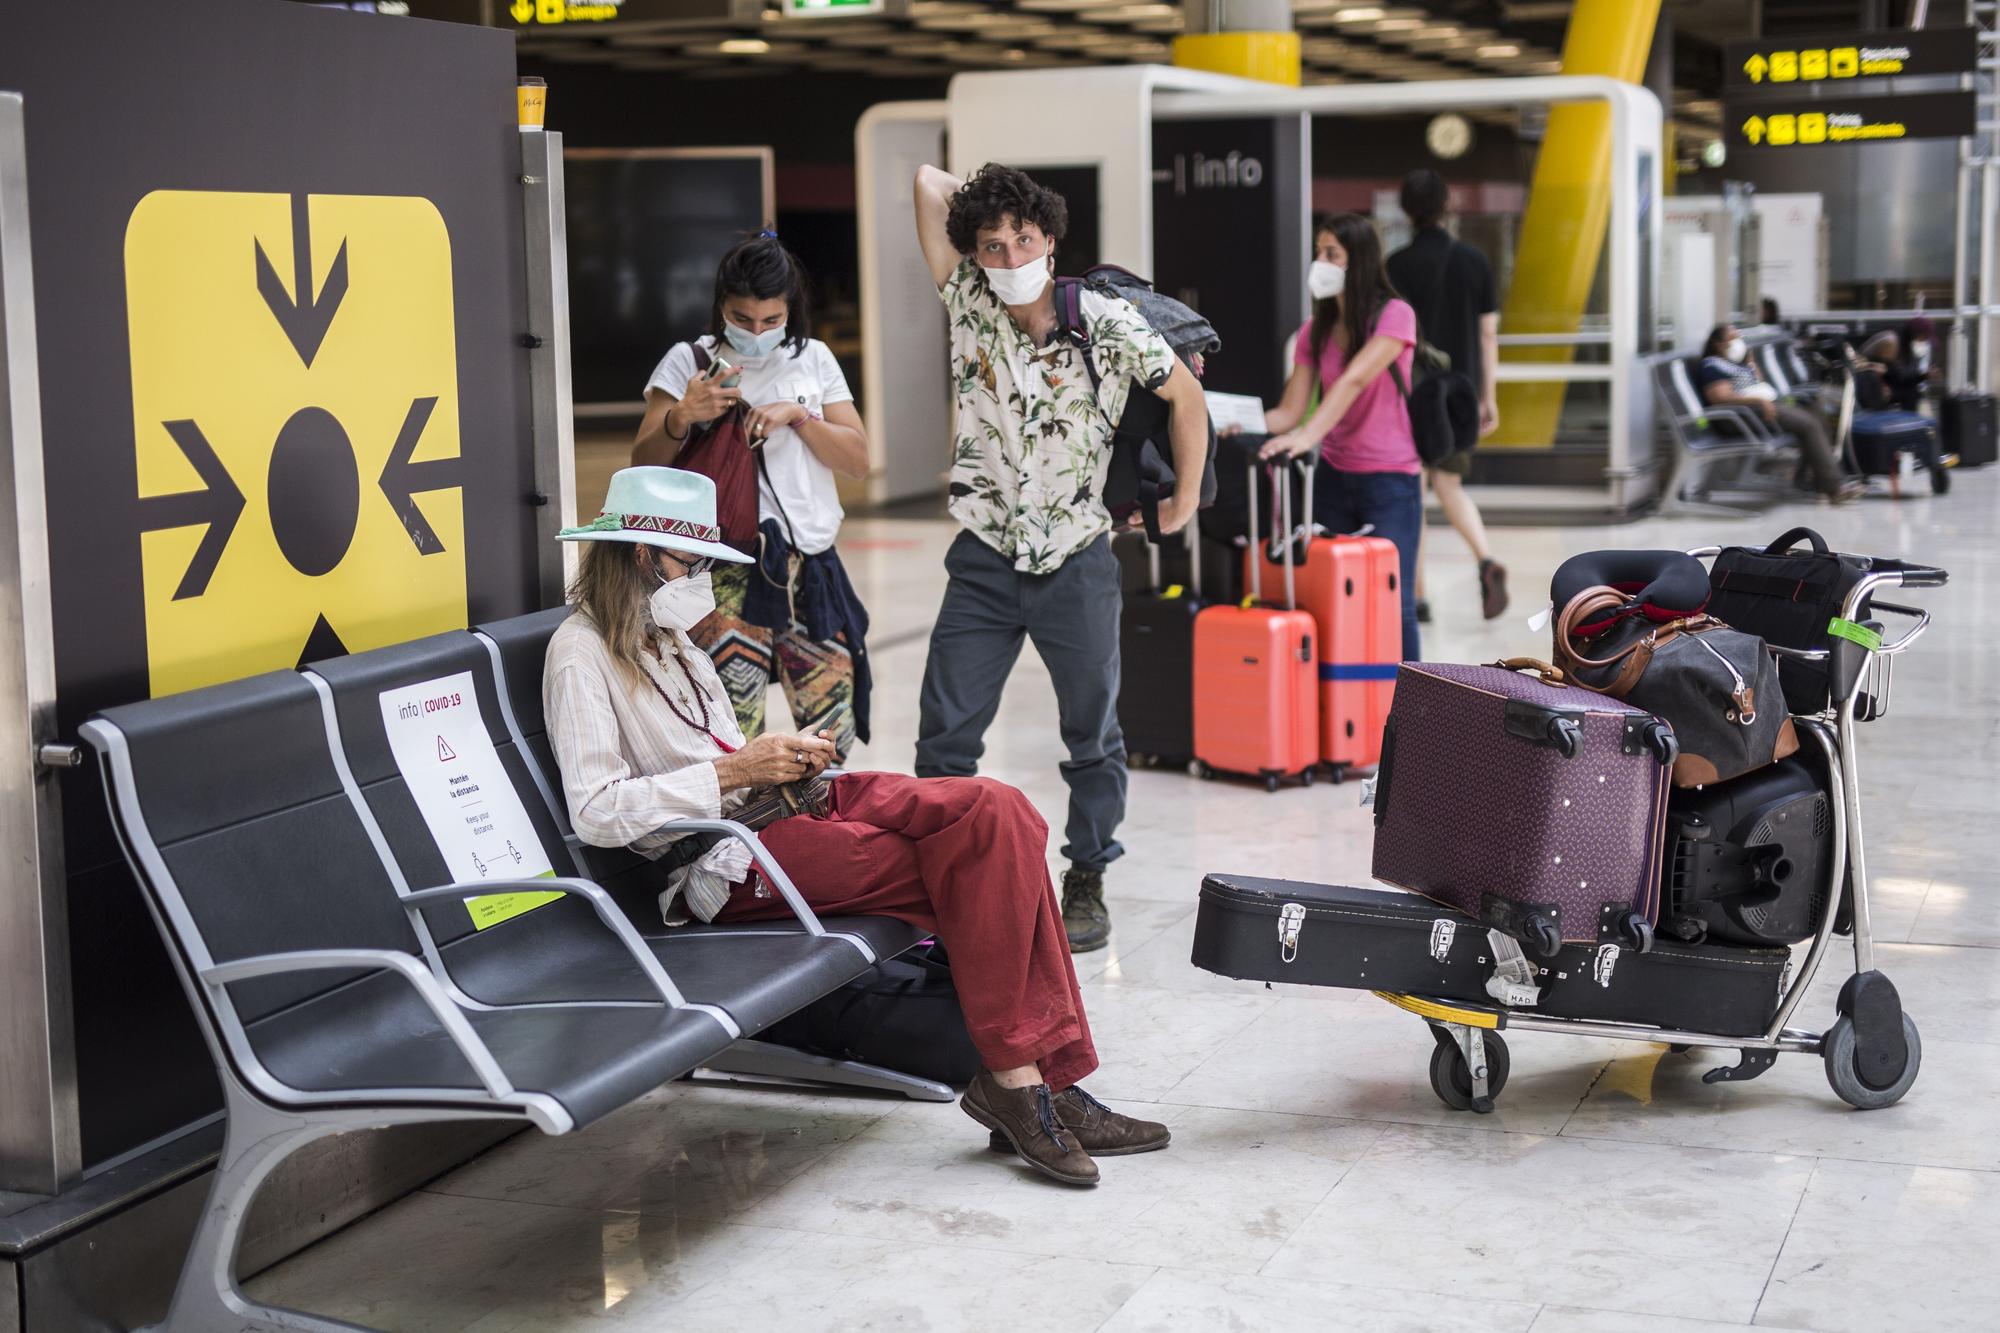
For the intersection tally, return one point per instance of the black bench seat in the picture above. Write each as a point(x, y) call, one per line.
point(341, 980)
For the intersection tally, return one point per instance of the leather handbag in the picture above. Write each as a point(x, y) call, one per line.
point(720, 451)
point(1715, 686)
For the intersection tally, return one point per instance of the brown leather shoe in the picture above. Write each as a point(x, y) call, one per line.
point(1025, 1119)
point(1101, 1131)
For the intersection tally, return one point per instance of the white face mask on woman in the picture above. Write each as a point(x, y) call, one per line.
point(754, 344)
point(1018, 286)
point(1325, 280)
point(683, 603)
point(1737, 349)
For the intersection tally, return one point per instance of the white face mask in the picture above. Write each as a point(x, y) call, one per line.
point(754, 344)
point(1737, 349)
point(684, 603)
point(1018, 286)
point(1325, 280)
point(1921, 350)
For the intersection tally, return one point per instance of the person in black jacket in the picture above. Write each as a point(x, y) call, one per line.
point(1458, 312)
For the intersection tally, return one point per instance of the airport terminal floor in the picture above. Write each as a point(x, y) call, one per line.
point(1314, 1181)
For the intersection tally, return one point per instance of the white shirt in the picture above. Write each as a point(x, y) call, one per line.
point(804, 486)
point(630, 767)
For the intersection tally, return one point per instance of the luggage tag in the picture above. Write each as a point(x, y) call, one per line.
point(1540, 620)
point(1172, 591)
point(1840, 628)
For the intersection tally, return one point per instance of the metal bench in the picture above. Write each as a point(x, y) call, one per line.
point(339, 980)
point(1710, 438)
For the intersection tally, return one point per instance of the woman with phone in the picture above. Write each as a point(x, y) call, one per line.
point(792, 616)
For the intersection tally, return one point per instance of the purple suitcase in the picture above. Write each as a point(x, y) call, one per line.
point(1536, 807)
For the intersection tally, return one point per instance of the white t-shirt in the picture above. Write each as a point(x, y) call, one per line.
point(805, 486)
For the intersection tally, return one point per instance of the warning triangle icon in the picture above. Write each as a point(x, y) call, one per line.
point(445, 753)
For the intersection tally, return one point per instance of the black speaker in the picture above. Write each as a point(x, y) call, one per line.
point(1748, 860)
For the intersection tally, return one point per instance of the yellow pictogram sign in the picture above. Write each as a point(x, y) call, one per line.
point(295, 420)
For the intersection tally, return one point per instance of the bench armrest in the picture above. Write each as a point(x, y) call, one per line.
point(607, 912)
point(765, 862)
point(321, 960)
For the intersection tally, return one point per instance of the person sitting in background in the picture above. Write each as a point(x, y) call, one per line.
point(1726, 376)
point(1361, 427)
point(1450, 286)
point(1905, 362)
point(798, 621)
point(1767, 313)
point(641, 731)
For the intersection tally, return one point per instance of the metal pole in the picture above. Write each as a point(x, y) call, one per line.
point(550, 408)
point(40, 1149)
point(1989, 291)
point(1955, 363)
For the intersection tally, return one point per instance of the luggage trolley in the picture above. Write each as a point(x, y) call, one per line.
point(1871, 1051)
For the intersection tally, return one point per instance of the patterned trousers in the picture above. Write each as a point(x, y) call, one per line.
point(818, 677)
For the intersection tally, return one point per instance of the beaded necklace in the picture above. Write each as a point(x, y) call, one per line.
point(701, 701)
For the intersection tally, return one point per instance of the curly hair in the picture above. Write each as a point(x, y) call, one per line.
point(992, 195)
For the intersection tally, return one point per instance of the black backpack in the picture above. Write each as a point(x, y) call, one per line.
point(1443, 404)
point(1142, 453)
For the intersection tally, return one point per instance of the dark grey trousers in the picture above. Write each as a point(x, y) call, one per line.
point(1072, 617)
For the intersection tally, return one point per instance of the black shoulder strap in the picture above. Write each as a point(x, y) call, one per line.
point(1069, 321)
point(701, 362)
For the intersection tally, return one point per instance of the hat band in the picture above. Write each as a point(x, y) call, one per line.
point(666, 527)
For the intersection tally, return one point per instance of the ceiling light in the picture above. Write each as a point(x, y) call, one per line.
point(1366, 14)
point(744, 46)
point(1398, 25)
point(1499, 51)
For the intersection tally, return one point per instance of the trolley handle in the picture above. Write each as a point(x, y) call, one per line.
point(1922, 617)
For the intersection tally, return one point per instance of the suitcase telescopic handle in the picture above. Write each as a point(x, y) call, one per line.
point(1281, 489)
point(1256, 546)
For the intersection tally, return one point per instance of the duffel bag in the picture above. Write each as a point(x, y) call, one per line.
point(900, 1014)
point(1788, 598)
point(1698, 675)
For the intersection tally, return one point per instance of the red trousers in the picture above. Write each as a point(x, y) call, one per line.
point(964, 858)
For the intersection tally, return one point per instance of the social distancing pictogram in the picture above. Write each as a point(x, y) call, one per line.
point(295, 423)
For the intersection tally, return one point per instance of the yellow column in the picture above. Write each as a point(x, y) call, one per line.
point(1270, 56)
point(1569, 202)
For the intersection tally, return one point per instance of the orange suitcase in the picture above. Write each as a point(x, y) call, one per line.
point(1256, 678)
point(1349, 586)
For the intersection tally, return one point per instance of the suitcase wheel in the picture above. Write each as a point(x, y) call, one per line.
point(1306, 778)
point(1452, 1081)
point(1841, 1050)
point(1541, 934)
point(1271, 782)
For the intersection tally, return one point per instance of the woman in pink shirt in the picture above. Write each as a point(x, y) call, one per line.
point(1361, 428)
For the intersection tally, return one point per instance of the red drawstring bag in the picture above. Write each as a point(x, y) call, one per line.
point(721, 452)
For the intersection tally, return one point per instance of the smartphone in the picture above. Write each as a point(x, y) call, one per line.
point(721, 369)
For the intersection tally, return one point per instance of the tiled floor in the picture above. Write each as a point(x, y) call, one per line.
point(1314, 1182)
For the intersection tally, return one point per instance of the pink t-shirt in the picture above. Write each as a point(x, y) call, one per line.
point(1374, 434)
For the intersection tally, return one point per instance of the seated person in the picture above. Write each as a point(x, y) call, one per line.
point(1905, 362)
point(645, 735)
point(1726, 376)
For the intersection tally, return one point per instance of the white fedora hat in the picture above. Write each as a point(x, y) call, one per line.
point(659, 506)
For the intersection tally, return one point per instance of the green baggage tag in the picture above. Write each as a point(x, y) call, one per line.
point(1853, 633)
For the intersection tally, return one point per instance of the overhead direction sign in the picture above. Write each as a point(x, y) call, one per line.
point(1810, 122)
point(1778, 63)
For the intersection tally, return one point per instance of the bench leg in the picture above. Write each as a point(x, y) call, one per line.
point(765, 1060)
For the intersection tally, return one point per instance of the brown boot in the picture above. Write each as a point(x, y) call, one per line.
point(1101, 1131)
point(1025, 1119)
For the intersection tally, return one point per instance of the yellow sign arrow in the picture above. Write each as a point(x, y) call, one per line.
point(522, 10)
point(1753, 130)
point(1754, 67)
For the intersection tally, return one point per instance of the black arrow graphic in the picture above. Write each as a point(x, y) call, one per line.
point(218, 504)
point(304, 318)
point(321, 644)
point(401, 479)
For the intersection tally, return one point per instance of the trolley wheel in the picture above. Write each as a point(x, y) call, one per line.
point(1306, 778)
point(1270, 782)
point(1452, 1081)
point(1838, 1050)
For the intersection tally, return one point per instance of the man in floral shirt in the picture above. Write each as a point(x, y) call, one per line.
point(1030, 450)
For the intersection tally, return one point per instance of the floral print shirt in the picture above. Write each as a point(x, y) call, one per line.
point(1031, 443)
